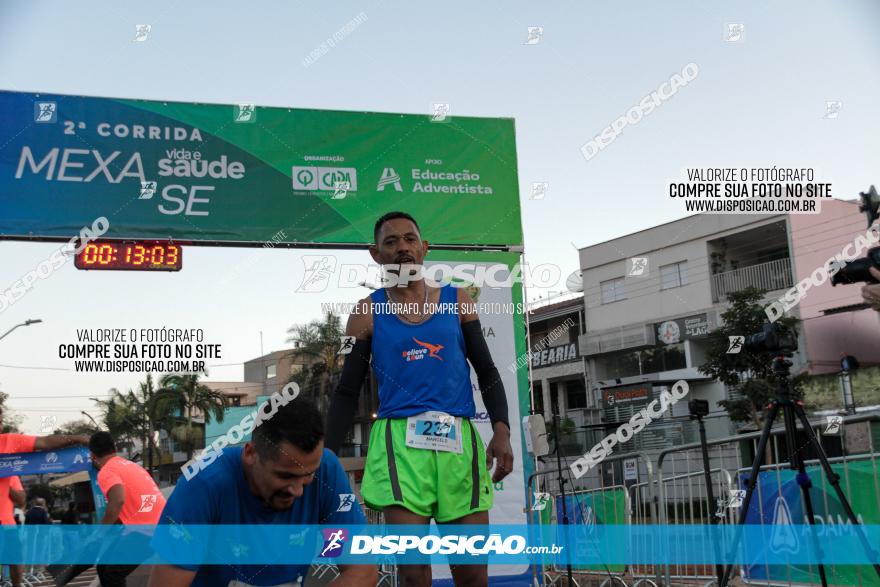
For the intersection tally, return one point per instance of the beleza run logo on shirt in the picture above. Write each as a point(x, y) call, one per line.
point(334, 541)
point(428, 350)
point(147, 503)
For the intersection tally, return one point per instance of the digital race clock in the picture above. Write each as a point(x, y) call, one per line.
point(130, 255)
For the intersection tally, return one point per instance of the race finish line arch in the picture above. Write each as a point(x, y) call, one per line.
point(240, 175)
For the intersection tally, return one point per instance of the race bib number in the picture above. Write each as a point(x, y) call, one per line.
point(434, 431)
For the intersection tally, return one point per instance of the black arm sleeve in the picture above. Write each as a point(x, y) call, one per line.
point(487, 375)
point(343, 404)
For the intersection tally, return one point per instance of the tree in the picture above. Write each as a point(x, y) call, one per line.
point(155, 415)
point(318, 340)
point(183, 395)
point(76, 427)
point(751, 373)
point(135, 416)
point(120, 416)
point(10, 423)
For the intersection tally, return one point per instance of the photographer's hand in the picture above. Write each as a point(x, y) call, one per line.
point(871, 292)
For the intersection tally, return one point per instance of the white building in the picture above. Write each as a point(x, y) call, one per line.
point(652, 297)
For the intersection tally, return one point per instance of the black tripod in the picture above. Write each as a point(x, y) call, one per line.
point(561, 480)
point(792, 411)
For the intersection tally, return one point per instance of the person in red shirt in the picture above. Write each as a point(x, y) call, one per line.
point(11, 491)
point(15, 497)
point(132, 499)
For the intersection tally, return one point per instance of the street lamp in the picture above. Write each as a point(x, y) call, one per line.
point(87, 415)
point(25, 323)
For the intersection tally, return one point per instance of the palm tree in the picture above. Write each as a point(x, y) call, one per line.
point(155, 416)
point(319, 340)
point(121, 417)
point(184, 394)
point(133, 416)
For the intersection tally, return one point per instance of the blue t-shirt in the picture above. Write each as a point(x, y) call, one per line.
point(219, 494)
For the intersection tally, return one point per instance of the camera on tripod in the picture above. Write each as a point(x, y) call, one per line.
point(773, 338)
point(857, 271)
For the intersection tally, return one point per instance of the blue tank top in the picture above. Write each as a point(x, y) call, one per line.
point(421, 367)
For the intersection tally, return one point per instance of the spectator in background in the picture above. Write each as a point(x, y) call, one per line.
point(38, 514)
point(71, 516)
point(10, 487)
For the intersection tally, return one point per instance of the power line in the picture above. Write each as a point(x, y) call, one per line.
point(35, 368)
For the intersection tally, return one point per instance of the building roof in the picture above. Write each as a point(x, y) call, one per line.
point(283, 353)
point(573, 303)
point(78, 477)
point(234, 387)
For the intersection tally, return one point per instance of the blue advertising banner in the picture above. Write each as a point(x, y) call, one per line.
point(276, 544)
point(778, 516)
point(68, 460)
point(588, 510)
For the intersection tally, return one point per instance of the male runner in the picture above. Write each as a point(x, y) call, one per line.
point(132, 499)
point(426, 459)
point(10, 487)
point(282, 476)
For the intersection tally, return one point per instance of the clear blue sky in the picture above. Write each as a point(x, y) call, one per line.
point(755, 103)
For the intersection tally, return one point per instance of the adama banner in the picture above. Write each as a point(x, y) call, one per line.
point(245, 174)
point(778, 506)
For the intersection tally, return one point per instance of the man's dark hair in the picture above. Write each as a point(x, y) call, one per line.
point(101, 444)
point(391, 216)
point(299, 423)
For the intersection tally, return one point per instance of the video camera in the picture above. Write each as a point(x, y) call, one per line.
point(857, 271)
point(773, 338)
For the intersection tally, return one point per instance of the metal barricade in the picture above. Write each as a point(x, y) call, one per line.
point(322, 572)
point(860, 483)
point(643, 512)
point(629, 503)
point(387, 568)
point(687, 496)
